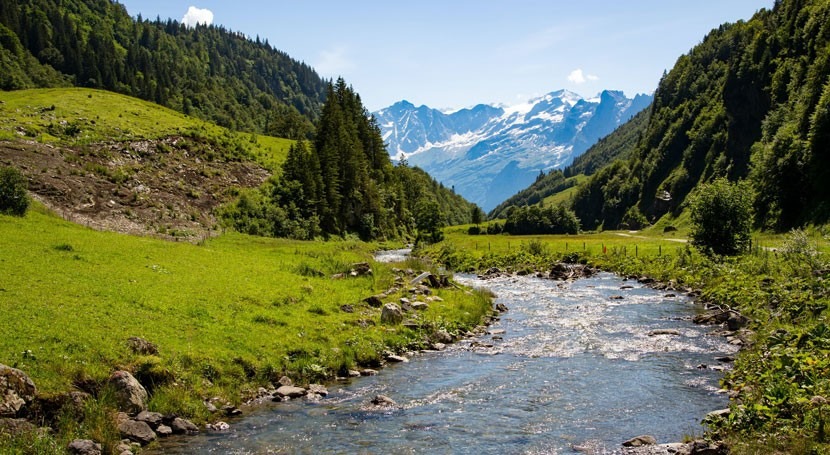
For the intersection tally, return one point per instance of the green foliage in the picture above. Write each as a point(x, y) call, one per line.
point(749, 101)
point(544, 186)
point(535, 220)
point(206, 71)
point(14, 199)
point(619, 145)
point(721, 214)
point(344, 184)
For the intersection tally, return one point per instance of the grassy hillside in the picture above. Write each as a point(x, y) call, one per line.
point(79, 116)
point(228, 315)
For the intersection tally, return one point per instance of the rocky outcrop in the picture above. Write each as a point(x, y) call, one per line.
point(130, 395)
point(16, 391)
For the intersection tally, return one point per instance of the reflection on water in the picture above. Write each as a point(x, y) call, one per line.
point(574, 372)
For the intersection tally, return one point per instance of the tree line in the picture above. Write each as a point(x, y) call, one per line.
point(205, 71)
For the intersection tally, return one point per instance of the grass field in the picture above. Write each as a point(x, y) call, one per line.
point(228, 315)
point(78, 116)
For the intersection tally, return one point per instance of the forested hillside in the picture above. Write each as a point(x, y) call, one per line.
point(344, 183)
point(208, 72)
point(752, 101)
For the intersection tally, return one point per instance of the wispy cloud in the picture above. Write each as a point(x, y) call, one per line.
point(195, 16)
point(334, 62)
point(540, 40)
point(578, 76)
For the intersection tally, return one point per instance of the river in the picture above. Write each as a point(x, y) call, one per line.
point(573, 368)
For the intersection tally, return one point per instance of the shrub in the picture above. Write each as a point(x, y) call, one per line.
point(14, 199)
point(721, 214)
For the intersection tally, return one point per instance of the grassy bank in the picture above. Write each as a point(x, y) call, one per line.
point(229, 315)
point(782, 377)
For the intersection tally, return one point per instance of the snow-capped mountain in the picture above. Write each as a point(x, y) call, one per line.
point(488, 153)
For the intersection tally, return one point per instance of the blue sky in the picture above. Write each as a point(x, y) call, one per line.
point(457, 53)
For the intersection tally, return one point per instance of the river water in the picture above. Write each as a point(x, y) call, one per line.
point(570, 370)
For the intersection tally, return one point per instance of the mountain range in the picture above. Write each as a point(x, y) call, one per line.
point(488, 153)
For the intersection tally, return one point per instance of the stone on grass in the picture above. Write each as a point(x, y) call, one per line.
point(141, 346)
point(130, 395)
point(391, 314)
point(16, 391)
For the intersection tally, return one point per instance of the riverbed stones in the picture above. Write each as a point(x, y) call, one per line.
point(656, 332)
point(16, 391)
point(288, 391)
point(368, 372)
point(130, 395)
point(164, 431)
point(442, 336)
point(84, 447)
point(183, 426)
point(318, 389)
point(391, 314)
point(396, 359)
point(639, 441)
point(501, 308)
point(137, 431)
point(383, 400)
point(154, 419)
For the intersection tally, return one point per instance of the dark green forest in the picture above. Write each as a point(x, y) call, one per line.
point(751, 101)
point(343, 182)
point(207, 71)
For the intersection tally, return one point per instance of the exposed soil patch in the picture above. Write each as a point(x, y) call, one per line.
point(168, 188)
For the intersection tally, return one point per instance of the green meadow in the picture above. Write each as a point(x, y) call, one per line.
point(79, 116)
point(228, 315)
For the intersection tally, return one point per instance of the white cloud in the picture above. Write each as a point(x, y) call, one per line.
point(195, 16)
point(577, 76)
point(334, 62)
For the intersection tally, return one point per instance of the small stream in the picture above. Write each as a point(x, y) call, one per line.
point(570, 370)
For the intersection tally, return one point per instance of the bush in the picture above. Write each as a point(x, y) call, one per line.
point(721, 214)
point(14, 200)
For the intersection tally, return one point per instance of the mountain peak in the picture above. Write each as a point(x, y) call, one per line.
point(469, 148)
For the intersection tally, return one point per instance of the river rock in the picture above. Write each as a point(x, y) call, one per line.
point(141, 346)
point(164, 431)
point(153, 419)
point(383, 400)
point(16, 391)
point(391, 314)
point(501, 308)
point(137, 431)
point(736, 321)
point(368, 372)
point(664, 332)
point(442, 336)
point(84, 447)
point(639, 441)
point(396, 359)
point(130, 395)
point(182, 426)
point(318, 389)
point(288, 391)
point(218, 426)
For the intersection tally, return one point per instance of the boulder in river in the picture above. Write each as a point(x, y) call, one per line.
point(391, 314)
point(288, 391)
point(182, 426)
point(664, 332)
point(383, 400)
point(16, 391)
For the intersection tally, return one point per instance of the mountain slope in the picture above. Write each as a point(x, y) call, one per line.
point(207, 72)
point(488, 153)
point(750, 101)
point(618, 145)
